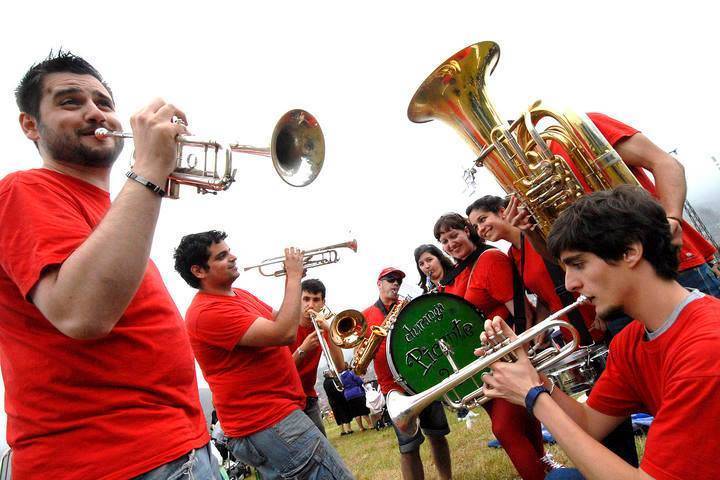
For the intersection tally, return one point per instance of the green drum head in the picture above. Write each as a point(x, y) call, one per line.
point(414, 351)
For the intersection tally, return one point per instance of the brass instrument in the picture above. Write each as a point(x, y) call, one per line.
point(518, 155)
point(297, 150)
point(325, 314)
point(404, 409)
point(366, 350)
point(348, 329)
point(316, 257)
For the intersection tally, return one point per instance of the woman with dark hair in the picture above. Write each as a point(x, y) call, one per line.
point(432, 265)
point(483, 276)
point(486, 215)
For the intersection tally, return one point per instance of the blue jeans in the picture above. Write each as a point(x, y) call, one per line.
point(564, 474)
point(292, 449)
point(197, 465)
point(312, 410)
point(702, 278)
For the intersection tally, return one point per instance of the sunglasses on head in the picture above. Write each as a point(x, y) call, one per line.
point(397, 280)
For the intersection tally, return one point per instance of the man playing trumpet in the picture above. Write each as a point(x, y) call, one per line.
point(616, 247)
point(240, 343)
point(306, 351)
point(99, 374)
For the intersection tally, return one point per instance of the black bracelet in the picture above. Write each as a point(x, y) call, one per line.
point(532, 397)
point(144, 181)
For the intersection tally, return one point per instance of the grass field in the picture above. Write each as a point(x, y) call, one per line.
point(373, 455)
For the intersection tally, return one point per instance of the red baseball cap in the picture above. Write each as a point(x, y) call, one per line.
point(388, 270)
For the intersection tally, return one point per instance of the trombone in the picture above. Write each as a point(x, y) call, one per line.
point(311, 258)
point(297, 150)
point(326, 314)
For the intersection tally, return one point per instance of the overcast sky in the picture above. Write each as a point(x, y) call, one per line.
point(234, 69)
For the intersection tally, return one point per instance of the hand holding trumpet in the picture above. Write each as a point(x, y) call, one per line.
point(155, 136)
point(510, 381)
point(294, 264)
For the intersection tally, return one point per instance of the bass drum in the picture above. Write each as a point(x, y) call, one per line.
point(414, 350)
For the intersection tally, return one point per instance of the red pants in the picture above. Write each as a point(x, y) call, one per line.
point(520, 435)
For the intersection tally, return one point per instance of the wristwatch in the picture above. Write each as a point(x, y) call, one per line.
point(300, 352)
point(532, 397)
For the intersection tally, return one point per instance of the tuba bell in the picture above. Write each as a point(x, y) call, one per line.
point(518, 155)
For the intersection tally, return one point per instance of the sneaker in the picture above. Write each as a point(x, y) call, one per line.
point(550, 463)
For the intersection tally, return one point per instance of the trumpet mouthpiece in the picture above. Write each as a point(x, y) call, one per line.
point(102, 133)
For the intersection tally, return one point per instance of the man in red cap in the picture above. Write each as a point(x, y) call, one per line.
point(433, 422)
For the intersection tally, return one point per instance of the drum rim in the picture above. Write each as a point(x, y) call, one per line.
point(388, 353)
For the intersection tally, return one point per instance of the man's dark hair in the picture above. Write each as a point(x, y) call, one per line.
point(313, 285)
point(194, 249)
point(29, 91)
point(489, 203)
point(606, 223)
point(451, 221)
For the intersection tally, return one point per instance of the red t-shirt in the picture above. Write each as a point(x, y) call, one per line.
point(253, 387)
point(82, 409)
point(695, 250)
point(375, 316)
point(488, 284)
point(537, 279)
point(307, 369)
point(676, 378)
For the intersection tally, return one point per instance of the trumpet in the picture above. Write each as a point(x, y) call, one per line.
point(297, 150)
point(311, 258)
point(326, 314)
point(404, 410)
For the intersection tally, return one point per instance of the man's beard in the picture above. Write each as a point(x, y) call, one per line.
point(68, 149)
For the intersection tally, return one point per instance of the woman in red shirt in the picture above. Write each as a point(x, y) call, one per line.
point(483, 276)
point(486, 215)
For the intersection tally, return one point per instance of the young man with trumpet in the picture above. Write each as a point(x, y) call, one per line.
point(241, 344)
point(616, 247)
point(96, 364)
point(306, 350)
point(433, 421)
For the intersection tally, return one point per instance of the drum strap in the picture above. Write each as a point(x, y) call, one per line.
point(558, 278)
point(519, 289)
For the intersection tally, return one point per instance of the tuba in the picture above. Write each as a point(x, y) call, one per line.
point(518, 154)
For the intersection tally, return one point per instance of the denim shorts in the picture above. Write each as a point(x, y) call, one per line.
point(433, 423)
point(199, 464)
point(702, 278)
point(564, 474)
point(291, 449)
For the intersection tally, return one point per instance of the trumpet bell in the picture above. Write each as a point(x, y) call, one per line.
point(348, 329)
point(298, 148)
